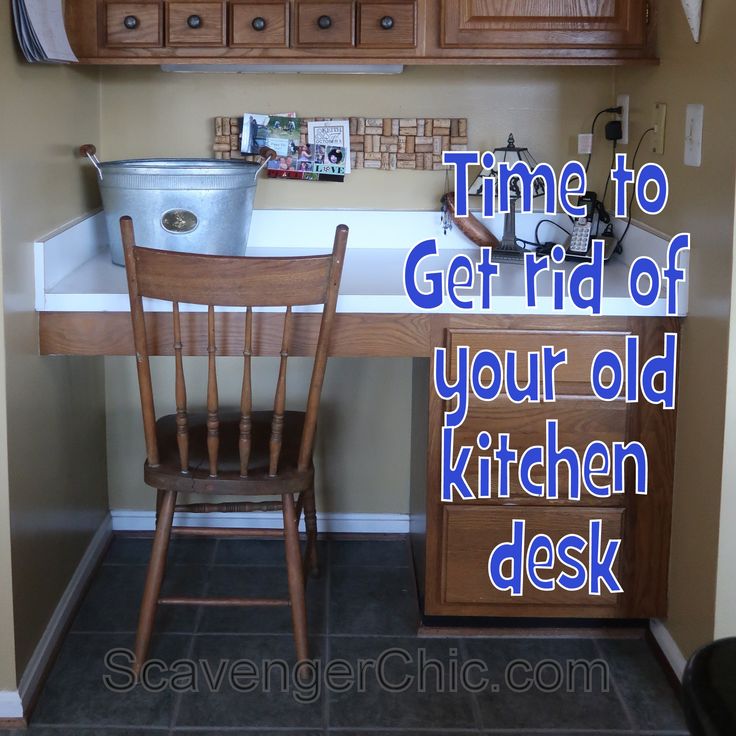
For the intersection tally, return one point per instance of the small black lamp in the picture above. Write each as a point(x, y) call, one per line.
point(510, 152)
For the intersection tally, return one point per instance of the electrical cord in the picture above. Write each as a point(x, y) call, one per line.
point(605, 189)
point(633, 189)
point(551, 222)
point(613, 110)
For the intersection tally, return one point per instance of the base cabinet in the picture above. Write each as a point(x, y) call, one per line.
point(453, 541)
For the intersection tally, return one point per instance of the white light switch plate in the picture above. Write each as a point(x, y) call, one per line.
point(585, 144)
point(694, 135)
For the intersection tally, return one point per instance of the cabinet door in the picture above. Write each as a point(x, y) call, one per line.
point(259, 24)
point(325, 25)
point(195, 24)
point(133, 24)
point(544, 23)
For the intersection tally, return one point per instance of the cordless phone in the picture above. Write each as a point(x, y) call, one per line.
point(579, 244)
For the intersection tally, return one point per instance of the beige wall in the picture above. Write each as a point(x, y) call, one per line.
point(701, 202)
point(367, 417)
point(725, 616)
point(53, 450)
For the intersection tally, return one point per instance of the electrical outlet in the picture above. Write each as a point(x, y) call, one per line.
point(622, 101)
point(659, 124)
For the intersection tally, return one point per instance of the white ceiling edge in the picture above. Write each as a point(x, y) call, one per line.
point(694, 11)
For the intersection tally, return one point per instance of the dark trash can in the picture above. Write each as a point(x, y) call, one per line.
point(709, 689)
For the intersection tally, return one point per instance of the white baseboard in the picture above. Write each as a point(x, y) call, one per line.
point(31, 678)
point(131, 520)
point(668, 646)
point(11, 707)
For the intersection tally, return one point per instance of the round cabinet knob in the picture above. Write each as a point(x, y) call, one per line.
point(387, 22)
point(130, 22)
point(194, 21)
point(324, 22)
point(259, 24)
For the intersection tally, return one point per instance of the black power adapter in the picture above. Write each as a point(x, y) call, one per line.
point(614, 131)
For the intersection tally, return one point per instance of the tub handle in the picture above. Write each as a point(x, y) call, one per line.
point(266, 154)
point(90, 152)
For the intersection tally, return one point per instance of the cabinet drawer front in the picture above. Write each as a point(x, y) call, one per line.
point(560, 24)
point(572, 378)
point(329, 25)
point(580, 420)
point(470, 534)
point(259, 24)
point(387, 25)
point(133, 24)
point(195, 24)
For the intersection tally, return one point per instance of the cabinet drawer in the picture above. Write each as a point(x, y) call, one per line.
point(329, 25)
point(195, 24)
point(265, 23)
point(572, 378)
point(579, 420)
point(133, 24)
point(387, 25)
point(470, 534)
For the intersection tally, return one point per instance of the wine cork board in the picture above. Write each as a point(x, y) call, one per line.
point(375, 143)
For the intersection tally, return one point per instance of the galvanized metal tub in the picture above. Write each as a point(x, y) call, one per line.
point(184, 205)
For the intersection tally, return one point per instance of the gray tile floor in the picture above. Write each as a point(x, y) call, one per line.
point(229, 671)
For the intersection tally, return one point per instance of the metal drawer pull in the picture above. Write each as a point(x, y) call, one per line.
point(324, 22)
point(259, 24)
point(194, 21)
point(387, 22)
point(131, 22)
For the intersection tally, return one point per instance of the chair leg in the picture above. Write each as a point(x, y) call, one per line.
point(310, 521)
point(296, 578)
point(154, 578)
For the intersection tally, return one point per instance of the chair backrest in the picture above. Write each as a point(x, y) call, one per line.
point(231, 281)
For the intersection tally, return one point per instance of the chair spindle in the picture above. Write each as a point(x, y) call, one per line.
point(279, 404)
point(213, 418)
point(182, 421)
point(246, 396)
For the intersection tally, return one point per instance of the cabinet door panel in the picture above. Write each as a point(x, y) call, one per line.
point(472, 533)
point(260, 24)
point(550, 23)
point(571, 378)
point(133, 24)
point(195, 24)
point(580, 420)
point(327, 25)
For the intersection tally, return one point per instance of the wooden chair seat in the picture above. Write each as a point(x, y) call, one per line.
point(228, 480)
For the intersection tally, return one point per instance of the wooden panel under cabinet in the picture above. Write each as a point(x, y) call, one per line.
point(558, 23)
point(387, 25)
point(195, 24)
point(259, 24)
point(471, 534)
point(133, 24)
point(325, 25)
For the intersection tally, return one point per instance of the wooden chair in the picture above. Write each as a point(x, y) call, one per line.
point(244, 453)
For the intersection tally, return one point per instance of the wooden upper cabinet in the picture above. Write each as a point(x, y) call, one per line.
point(362, 31)
point(561, 24)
